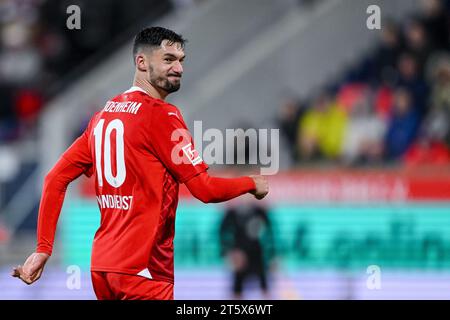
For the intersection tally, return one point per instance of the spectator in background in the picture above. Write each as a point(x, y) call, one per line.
point(438, 125)
point(290, 114)
point(322, 128)
point(402, 129)
point(411, 79)
point(246, 239)
point(440, 79)
point(20, 61)
point(418, 44)
point(388, 53)
point(439, 118)
point(436, 22)
point(363, 142)
point(430, 147)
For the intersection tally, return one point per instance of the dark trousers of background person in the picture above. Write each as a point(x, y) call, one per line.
point(253, 268)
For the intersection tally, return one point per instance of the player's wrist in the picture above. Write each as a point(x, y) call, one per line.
point(251, 184)
point(46, 250)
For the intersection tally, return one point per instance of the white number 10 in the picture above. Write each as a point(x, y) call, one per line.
point(119, 179)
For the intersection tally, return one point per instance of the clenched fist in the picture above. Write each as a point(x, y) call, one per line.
point(262, 186)
point(32, 269)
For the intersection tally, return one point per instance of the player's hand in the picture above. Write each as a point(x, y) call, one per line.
point(238, 260)
point(262, 187)
point(32, 269)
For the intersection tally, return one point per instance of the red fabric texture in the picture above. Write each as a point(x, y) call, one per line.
point(117, 286)
point(212, 189)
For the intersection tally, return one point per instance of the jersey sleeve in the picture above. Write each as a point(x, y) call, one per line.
point(53, 193)
point(214, 189)
point(173, 145)
point(79, 153)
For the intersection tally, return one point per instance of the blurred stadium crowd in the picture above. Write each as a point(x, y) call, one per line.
point(392, 107)
point(37, 50)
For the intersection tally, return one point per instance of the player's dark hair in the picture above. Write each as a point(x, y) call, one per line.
point(153, 36)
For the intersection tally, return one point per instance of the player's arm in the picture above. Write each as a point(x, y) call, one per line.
point(74, 162)
point(53, 193)
point(172, 143)
point(213, 189)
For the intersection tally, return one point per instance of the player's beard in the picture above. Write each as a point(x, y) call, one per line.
point(163, 82)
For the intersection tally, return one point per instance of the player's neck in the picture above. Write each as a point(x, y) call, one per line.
point(149, 88)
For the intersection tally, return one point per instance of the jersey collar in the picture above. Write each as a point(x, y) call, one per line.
point(136, 88)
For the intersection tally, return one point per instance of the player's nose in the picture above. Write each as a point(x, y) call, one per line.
point(178, 68)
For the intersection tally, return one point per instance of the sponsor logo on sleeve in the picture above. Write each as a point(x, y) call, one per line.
point(192, 154)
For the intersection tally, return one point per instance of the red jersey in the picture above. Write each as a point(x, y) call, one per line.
point(139, 150)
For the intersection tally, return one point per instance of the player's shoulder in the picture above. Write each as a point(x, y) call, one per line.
point(163, 109)
point(95, 117)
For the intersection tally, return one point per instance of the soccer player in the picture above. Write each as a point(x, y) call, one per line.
point(139, 150)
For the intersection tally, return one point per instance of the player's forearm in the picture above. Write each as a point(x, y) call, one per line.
point(53, 193)
point(213, 189)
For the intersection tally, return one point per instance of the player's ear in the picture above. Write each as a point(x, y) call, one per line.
point(141, 63)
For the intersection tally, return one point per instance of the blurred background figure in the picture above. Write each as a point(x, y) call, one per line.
point(386, 55)
point(363, 141)
point(435, 21)
point(290, 112)
point(322, 129)
point(403, 126)
point(247, 242)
